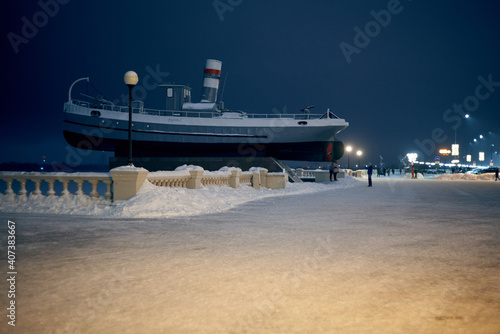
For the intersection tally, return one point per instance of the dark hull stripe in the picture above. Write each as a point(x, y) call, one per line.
point(307, 151)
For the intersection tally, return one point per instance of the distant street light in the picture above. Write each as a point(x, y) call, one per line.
point(131, 80)
point(348, 149)
point(466, 116)
point(444, 152)
point(359, 153)
point(491, 155)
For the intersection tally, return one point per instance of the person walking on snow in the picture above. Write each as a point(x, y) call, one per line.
point(370, 172)
point(334, 169)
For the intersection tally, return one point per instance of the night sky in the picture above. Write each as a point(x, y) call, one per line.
point(391, 69)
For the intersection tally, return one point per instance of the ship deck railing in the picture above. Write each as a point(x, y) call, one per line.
point(193, 114)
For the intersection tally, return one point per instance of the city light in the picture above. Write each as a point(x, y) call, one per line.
point(481, 156)
point(469, 158)
point(455, 150)
point(412, 157)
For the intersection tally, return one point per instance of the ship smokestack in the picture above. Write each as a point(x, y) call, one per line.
point(211, 78)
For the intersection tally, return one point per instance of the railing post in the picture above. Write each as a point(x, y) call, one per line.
point(263, 177)
point(194, 181)
point(256, 180)
point(276, 181)
point(234, 179)
point(127, 181)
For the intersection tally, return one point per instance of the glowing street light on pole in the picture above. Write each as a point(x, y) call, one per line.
point(359, 153)
point(348, 149)
point(131, 80)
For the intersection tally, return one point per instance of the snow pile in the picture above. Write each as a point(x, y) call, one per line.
point(153, 201)
point(188, 168)
point(129, 168)
point(461, 176)
point(179, 171)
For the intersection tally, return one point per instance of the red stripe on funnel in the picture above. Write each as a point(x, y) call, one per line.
point(212, 71)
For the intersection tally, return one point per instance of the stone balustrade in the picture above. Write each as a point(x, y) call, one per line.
point(360, 173)
point(246, 178)
point(124, 182)
point(305, 173)
point(215, 180)
point(62, 180)
point(233, 177)
point(170, 181)
point(323, 175)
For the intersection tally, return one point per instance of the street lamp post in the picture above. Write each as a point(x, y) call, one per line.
point(131, 80)
point(359, 153)
point(491, 155)
point(348, 149)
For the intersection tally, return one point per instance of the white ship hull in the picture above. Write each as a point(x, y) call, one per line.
point(180, 133)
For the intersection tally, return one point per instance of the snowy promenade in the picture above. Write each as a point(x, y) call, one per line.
point(406, 256)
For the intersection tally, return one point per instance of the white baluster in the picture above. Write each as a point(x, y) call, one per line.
point(94, 192)
point(79, 184)
point(37, 187)
point(9, 190)
point(51, 191)
point(107, 195)
point(64, 191)
point(22, 191)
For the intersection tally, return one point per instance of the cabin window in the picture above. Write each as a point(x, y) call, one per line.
point(170, 92)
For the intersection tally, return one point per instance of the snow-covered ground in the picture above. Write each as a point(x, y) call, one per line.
point(406, 256)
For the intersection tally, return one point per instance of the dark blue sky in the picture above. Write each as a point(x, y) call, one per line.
point(394, 90)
